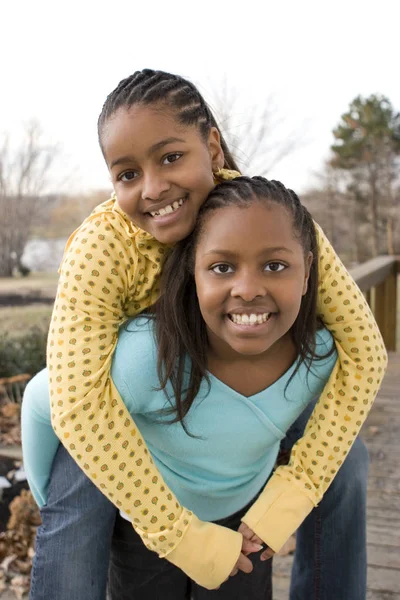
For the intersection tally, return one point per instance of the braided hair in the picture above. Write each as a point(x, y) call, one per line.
point(180, 328)
point(148, 87)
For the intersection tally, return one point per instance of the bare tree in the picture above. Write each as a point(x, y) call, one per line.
point(24, 173)
point(258, 135)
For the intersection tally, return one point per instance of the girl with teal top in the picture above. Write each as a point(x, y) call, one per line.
point(230, 360)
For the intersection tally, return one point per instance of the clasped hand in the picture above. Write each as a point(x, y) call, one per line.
point(251, 543)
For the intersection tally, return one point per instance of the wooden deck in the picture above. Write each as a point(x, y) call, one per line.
point(381, 434)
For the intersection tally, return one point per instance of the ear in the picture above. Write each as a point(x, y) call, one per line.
point(214, 147)
point(308, 262)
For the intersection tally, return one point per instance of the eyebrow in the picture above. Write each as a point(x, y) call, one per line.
point(154, 148)
point(265, 251)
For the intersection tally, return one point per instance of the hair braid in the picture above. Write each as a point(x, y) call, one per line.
point(179, 95)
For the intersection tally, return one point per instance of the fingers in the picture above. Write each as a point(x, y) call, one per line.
point(246, 531)
point(249, 534)
point(244, 564)
point(249, 546)
point(267, 554)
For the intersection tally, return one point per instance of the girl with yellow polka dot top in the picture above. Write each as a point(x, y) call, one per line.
point(164, 150)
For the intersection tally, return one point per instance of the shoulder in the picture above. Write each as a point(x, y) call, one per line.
point(138, 336)
point(134, 366)
point(324, 341)
point(36, 396)
point(105, 221)
point(326, 354)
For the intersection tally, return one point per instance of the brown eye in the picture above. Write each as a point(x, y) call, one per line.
point(128, 176)
point(275, 267)
point(171, 158)
point(222, 269)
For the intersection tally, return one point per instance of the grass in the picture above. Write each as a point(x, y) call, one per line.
point(46, 283)
point(18, 319)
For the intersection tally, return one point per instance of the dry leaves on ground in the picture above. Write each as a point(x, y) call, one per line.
point(16, 544)
point(10, 424)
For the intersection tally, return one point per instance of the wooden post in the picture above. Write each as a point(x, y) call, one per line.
point(386, 308)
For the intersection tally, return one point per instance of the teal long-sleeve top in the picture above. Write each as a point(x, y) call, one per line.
point(234, 440)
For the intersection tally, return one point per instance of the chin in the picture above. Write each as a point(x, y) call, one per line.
point(173, 236)
point(249, 351)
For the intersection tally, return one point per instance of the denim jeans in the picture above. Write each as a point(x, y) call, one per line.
point(154, 578)
point(73, 543)
point(330, 562)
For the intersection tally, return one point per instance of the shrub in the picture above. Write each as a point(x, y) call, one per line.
point(23, 353)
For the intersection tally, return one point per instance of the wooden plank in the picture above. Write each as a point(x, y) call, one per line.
point(386, 484)
point(384, 580)
point(280, 588)
point(385, 536)
point(382, 516)
point(283, 566)
point(381, 500)
point(386, 310)
point(374, 595)
point(383, 556)
point(373, 272)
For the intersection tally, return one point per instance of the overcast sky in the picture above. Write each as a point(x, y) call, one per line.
point(58, 63)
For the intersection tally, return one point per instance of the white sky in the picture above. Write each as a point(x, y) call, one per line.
point(58, 63)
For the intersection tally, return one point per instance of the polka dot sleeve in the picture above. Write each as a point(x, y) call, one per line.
point(294, 490)
point(109, 271)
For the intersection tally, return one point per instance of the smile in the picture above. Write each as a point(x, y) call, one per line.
point(249, 319)
point(167, 210)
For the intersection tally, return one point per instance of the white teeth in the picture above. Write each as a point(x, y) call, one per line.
point(252, 319)
point(170, 208)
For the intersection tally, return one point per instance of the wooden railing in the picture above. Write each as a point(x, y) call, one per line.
point(377, 278)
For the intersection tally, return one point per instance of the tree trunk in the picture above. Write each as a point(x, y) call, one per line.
point(374, 212)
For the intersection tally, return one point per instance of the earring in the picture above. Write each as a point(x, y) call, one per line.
point(225, 175)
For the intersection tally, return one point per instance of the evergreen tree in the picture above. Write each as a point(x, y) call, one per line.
point(367, 146)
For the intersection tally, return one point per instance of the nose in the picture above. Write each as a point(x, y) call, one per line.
point(154, 185)
point(248, 286)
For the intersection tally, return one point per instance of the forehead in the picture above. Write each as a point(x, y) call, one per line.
point(252, 229)
point(140, 125)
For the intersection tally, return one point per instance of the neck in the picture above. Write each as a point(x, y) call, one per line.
point(249, 375)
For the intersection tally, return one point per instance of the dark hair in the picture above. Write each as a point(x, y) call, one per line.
point(179, 95)
point(180, 328)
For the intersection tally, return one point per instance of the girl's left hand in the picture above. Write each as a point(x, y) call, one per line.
point(252, 537)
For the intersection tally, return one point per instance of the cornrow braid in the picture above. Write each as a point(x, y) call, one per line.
point(148, 87)
point(179, 337)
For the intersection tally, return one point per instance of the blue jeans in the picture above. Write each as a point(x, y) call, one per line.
point(74, 541)
point(330, 562)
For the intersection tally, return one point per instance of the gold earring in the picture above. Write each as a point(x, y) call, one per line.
point(225, 175)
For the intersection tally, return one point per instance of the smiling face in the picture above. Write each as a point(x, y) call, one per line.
point(251, 275)
point(161, 170)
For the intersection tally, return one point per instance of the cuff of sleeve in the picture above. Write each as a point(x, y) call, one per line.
point(278, 512)
point(207, 553)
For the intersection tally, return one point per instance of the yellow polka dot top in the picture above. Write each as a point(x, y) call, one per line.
point(110, 272)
